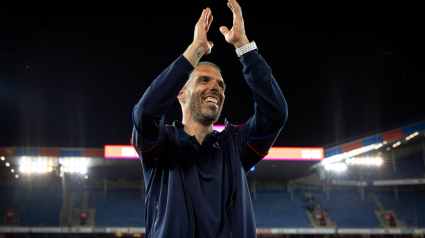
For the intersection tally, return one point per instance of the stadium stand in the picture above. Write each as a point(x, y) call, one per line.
point(346, 209)
point(6, 197)
point(274, 208)
point(121, 207)
point(420, 206)
point(403, 207)
point(41, 207)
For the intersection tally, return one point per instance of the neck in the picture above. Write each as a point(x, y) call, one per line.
point(199, 130)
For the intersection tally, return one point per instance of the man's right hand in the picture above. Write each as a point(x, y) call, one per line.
point(200, 45)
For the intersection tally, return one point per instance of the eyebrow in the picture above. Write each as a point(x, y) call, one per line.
point(220, 82)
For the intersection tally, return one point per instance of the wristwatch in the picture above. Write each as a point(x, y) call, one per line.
point(246, 48)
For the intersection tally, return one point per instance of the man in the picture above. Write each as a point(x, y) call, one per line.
point(195, 177)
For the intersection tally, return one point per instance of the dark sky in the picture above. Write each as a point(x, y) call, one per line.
point(71, 78)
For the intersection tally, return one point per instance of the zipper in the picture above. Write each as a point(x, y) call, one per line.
point(184, 183)
point(234, 179)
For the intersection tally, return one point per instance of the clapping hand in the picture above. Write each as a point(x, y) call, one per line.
point(236, 36)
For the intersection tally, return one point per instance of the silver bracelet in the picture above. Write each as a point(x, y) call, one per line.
point(246, 48)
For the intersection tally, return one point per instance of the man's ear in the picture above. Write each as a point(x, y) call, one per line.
point(182, 96)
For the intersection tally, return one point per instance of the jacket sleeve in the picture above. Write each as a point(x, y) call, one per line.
point(149, 129)
point(258, 134)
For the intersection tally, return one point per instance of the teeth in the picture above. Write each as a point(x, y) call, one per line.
point(211, 99)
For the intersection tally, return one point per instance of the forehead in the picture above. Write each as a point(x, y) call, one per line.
point(207, 70)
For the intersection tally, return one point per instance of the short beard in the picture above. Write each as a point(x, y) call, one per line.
point(204, 117)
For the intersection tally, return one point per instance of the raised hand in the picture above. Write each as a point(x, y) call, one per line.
point(201, 29)
point(200, 45)
point(236, 36)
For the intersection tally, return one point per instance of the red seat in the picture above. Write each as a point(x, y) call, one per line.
point(9, 216)
point(321, 218)
point(83, 217)
point(390, 219)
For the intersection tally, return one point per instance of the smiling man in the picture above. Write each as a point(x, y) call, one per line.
point(195, 177)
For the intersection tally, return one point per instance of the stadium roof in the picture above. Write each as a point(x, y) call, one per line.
point(401, 135)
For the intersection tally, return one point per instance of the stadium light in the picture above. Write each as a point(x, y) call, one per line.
point(396, 144)
point(412, 135)
point(7, 164)
point(337, 167)
point(379, 146)
point(364, 161)
point(86, 177)
point(12, 170)
point(16, 176)
point(343, 156)
point(49, 169)
point(83, 170)
point(2, 158)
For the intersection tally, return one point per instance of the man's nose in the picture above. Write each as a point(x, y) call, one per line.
point(215, 86)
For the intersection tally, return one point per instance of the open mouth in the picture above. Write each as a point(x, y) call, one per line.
point(211, 101)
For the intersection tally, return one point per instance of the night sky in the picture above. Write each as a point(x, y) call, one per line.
point(71, 78)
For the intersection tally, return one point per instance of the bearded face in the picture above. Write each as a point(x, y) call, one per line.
point(205, 108)
point(204, 95)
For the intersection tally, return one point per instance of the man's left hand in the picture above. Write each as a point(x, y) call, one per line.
point(236, 36)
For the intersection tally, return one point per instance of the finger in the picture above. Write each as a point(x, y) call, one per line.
point(207, 15)
point(201, 19)
point(210, 45)
point(224, 30)
point(230, 6)
point(235, 4)
point(209, 23)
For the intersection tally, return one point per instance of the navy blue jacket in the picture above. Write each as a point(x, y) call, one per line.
point(168, 205)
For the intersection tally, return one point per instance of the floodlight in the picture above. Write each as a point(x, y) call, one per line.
point(2, 158)
point(83, 170)
point(378, 161)
point(49, 169)
point(12, 170)
point(340, 167)
point(86, 177)
point(66, 169)
point(16, 176)
point(7, 164)
point(378, 146)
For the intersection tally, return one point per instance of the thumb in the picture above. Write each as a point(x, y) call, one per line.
point(224, 30)
point(210, 45)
